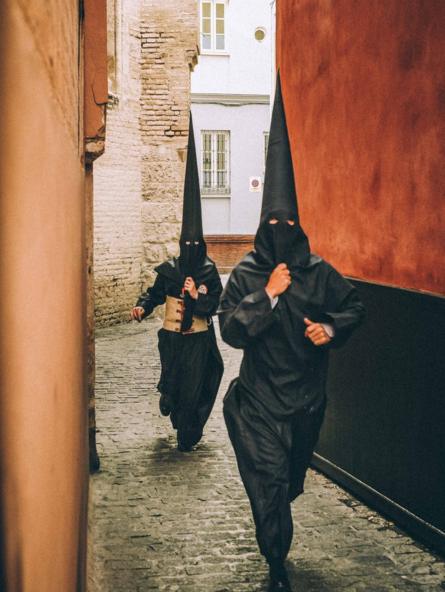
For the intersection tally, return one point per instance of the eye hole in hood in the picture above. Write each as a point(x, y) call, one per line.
point(279, 241)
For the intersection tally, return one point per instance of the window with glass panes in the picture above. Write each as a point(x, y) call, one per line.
point(213, 25)
point(215, 161)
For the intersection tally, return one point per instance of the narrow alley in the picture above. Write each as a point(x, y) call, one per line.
point(170, 521)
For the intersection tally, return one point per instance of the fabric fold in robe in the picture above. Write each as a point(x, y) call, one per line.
point(275, 409)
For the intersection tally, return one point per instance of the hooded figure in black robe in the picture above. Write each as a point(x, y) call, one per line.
point(274, 409)
point(191, 365)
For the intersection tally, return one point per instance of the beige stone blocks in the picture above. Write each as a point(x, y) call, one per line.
point(139, 181)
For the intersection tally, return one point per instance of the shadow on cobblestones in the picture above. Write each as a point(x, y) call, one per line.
point(170, 521)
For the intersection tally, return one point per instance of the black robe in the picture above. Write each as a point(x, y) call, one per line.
point(274, 410)
point(191, 365)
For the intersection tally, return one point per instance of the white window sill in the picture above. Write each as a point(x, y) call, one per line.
point(209, 52)
point(215, 195)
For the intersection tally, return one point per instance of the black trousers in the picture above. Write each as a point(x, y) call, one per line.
point(184, 360)
point(273, 457)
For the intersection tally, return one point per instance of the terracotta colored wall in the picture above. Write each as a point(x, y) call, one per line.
point(96, 75)
point(364, 86)
point(95, 86)
point(227, 250)
point(43, 407)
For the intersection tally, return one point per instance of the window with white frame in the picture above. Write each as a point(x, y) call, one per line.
point(213, 26)
point(215, 161)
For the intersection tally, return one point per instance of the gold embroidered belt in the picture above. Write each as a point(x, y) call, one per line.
point(174, 312)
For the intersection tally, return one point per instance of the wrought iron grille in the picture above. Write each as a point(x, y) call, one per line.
point(215, 162)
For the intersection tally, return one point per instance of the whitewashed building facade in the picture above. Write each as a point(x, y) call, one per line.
point(231, 89)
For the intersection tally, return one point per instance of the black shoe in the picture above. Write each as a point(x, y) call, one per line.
point(164, 405)
point(279, 585)
point(279, 582)
point(184, 447)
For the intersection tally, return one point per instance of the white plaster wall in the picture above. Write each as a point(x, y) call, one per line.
point(246, 66)
point(240, 213)
point(216, 215)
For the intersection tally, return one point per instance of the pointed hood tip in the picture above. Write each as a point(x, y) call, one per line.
point(191, 213)
point(280, 197)
point(279, 183)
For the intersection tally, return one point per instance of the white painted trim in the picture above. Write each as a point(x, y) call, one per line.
point(214, 52)
point(230, 99)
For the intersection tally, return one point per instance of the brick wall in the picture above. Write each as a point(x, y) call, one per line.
point(169, 33)
point(227, 250)
point(117, 178)
point(139, 181)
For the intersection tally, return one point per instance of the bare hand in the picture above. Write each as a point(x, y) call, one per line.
point(137, 313)
point(189, 286)
point(316, 333)
point(279, 280)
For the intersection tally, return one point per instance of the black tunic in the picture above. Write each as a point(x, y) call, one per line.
point(281, 367)
point(191, 365)
point(275, 409)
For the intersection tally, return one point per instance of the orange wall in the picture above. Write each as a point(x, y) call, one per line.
point(42, 306)
point(364, 88)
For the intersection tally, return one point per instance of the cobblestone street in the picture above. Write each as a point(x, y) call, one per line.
point(165, 520)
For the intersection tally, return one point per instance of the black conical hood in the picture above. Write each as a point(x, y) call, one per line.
point(191, 212)
point(279, 192)
point(280, 243)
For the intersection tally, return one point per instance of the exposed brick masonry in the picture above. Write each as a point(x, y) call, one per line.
point(139, 181)
point(117, 181)
point(169, 44)
point(228, 249)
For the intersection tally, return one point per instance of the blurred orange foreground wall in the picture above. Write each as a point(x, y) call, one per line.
point(364, 89)
point(43, 405)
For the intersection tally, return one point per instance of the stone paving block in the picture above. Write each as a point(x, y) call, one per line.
point(161, 520)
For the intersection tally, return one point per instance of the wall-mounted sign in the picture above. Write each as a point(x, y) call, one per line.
point(255, 184)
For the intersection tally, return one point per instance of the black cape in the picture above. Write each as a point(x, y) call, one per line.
point(281, 368)
point(192, 366)
point(274, 411)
